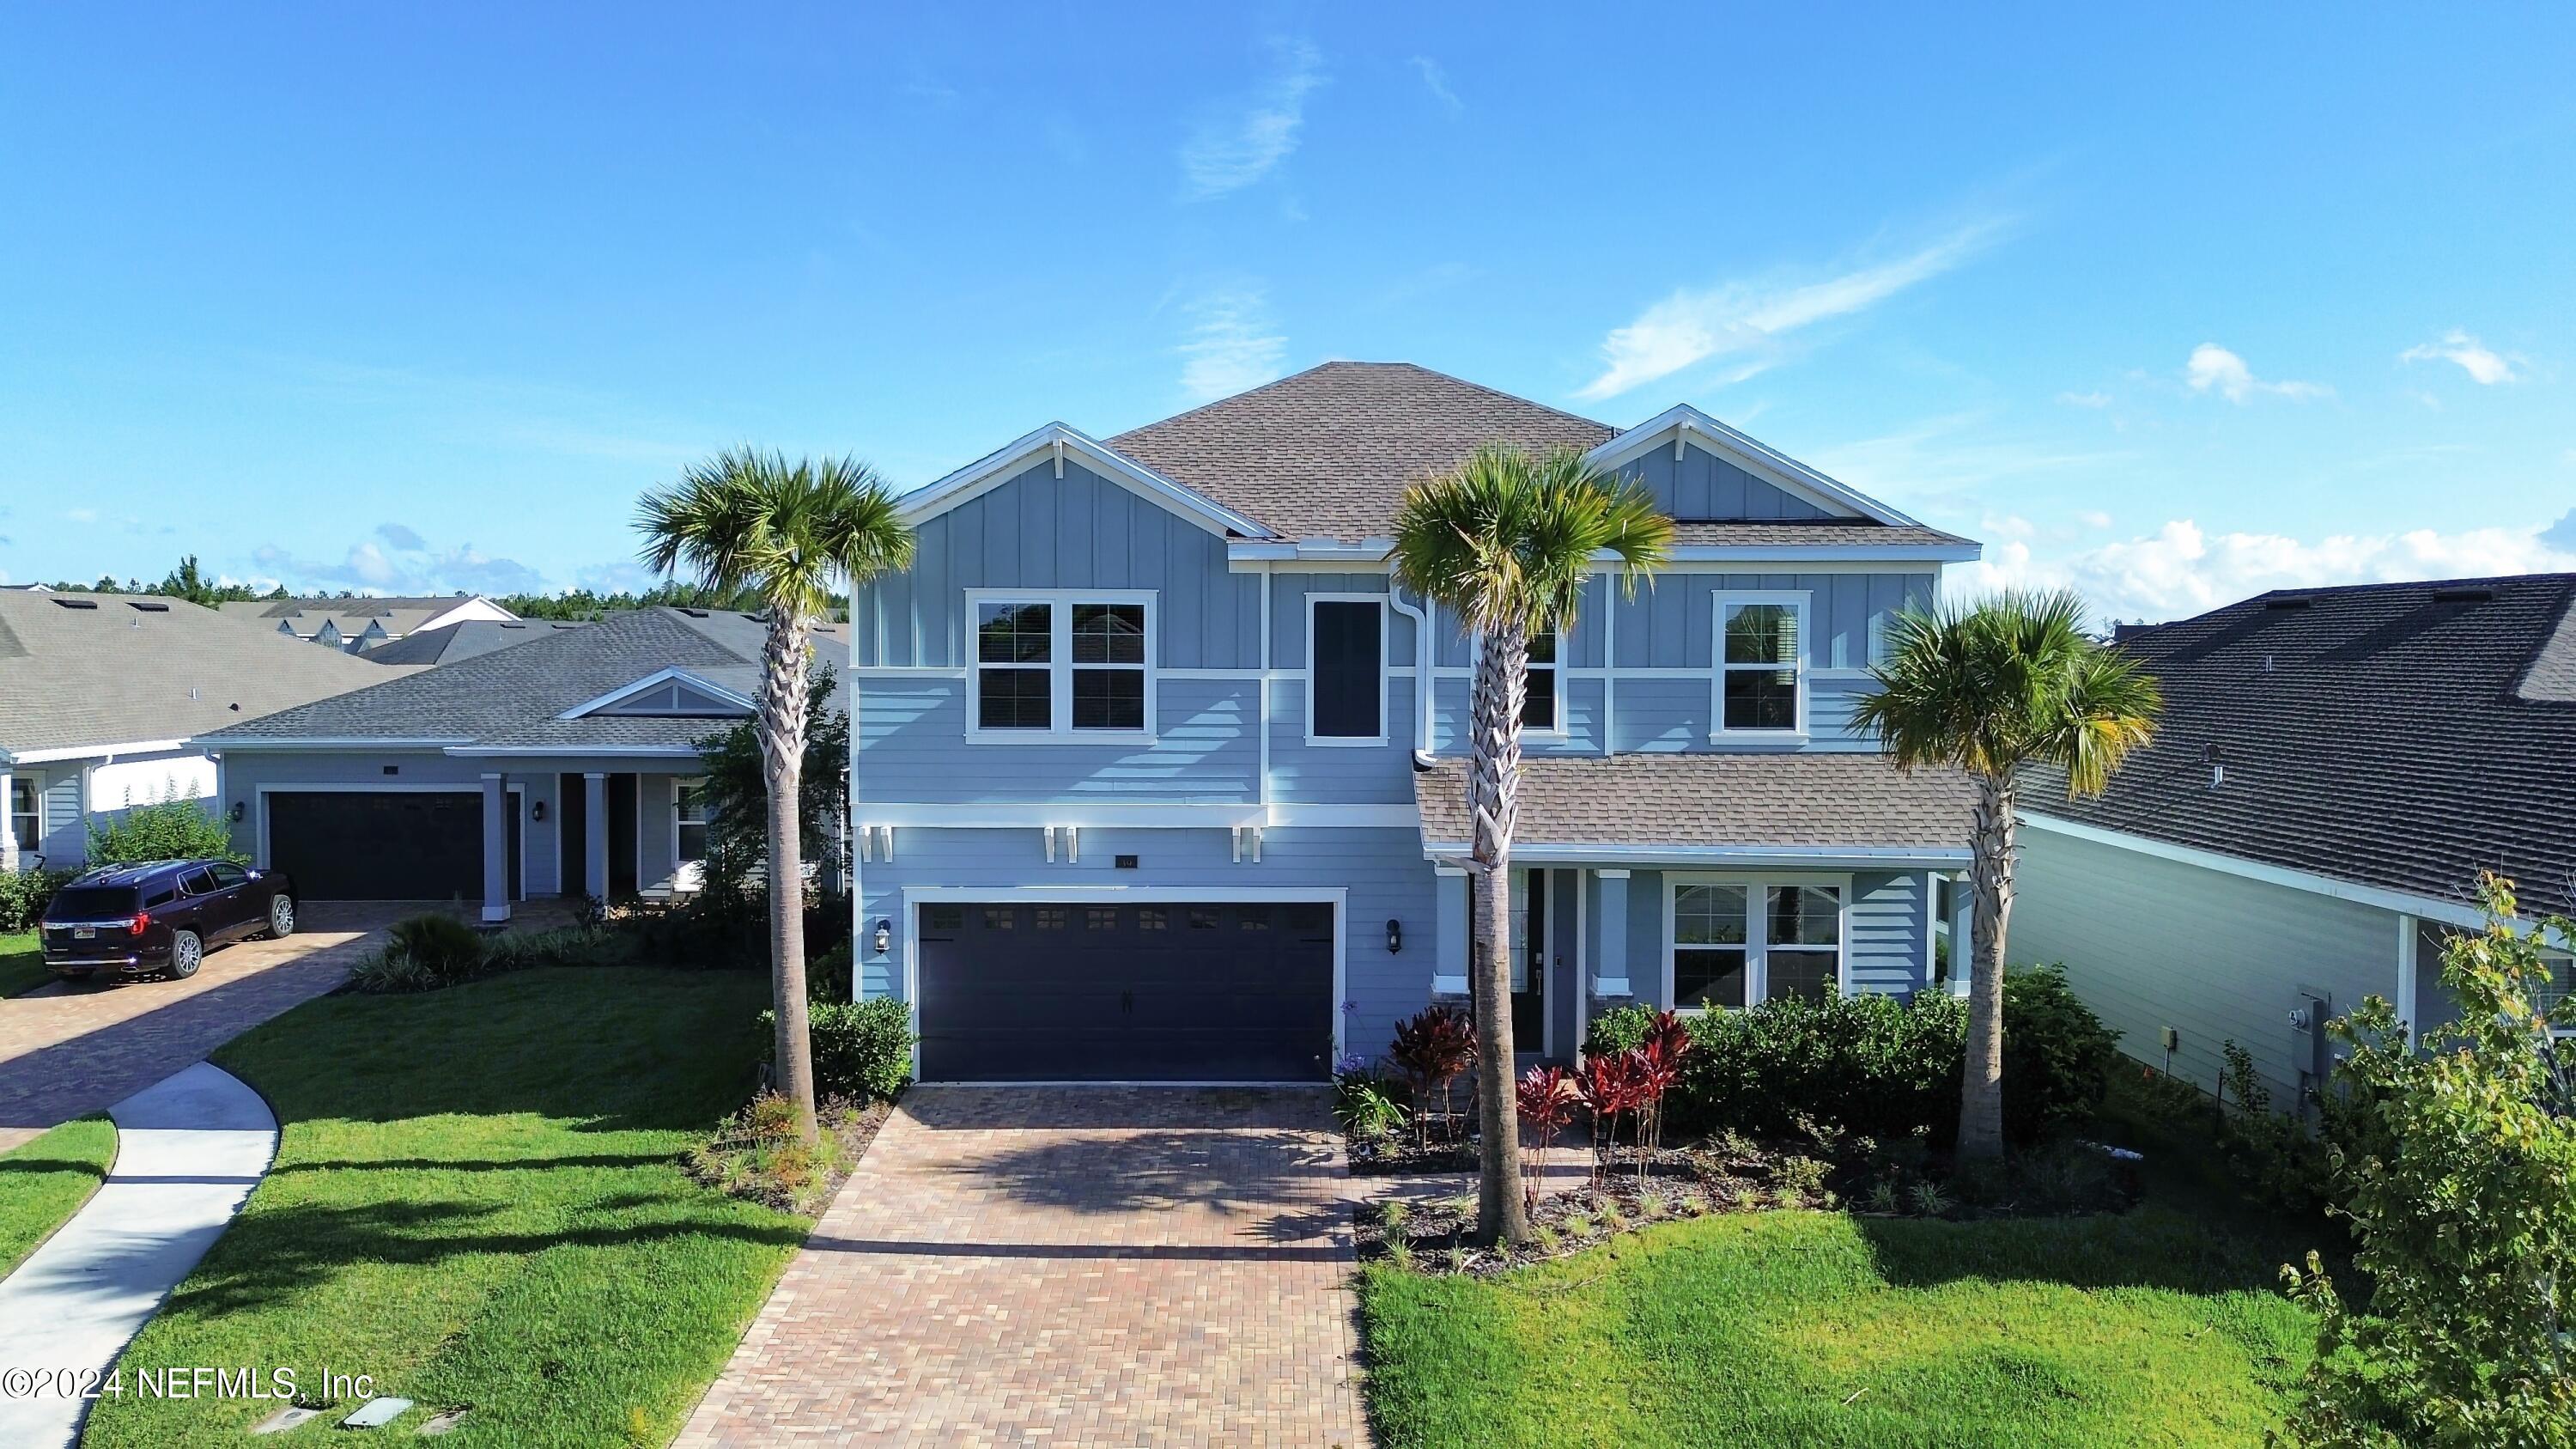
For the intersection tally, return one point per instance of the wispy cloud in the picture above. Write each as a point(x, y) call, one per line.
point(2085, 399)
point(2180, 569)
point(2485, 366)
point(1956, 455)
point(1435, 78)
point(397, 560)
point(1233, 344)
point(1231, 152)
point(1747, 322)
point(2212, 368)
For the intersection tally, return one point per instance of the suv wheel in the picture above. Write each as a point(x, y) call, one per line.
point(281, 916)
point(187, 953)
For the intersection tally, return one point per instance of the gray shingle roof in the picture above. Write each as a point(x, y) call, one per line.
point(2396, 735)
point(512, 696)
point(1814, 533)
point(1853, 801)
point(1328, 452)
point(135, 668)
point(398, 616)
point(450, 643)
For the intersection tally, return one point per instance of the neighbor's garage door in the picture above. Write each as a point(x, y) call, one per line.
point(382, 846)
point(1080, 992)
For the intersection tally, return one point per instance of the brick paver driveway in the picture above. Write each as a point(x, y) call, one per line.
point(1100, 1265)
point(74, 1048)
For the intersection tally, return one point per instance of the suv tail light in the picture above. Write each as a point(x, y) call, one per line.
point(141, 920)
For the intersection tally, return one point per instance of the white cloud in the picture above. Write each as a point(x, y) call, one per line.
point(2085, 399)
point(1436, 80)
point(2093, 518)
point(1232, 153)
point(2213, 368)
point(399, 561)
point(2180, 570)
point(1232, 345)
point(2484, 366)
point(1747, 320)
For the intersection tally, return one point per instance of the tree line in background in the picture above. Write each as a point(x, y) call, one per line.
point(188, 581)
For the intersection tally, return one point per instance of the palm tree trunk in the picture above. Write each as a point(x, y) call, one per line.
point(1493, 804)
point(1981, 1091)
point(782, 755)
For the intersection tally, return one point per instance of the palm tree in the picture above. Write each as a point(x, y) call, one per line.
point(1507, 542)
point(785, 532)
point(1991, 687)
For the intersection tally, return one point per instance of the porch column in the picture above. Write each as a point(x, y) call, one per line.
point(594, 835)
point(1610, 963)
point(496, 849)
point(8, 821)
point(1449, 951)
point(1963, 941)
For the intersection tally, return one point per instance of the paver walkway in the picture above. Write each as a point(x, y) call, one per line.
point(1100, 1265)
point(188, 1152)
point(70, 1049)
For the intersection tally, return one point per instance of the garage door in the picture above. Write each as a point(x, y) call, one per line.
point(379, 846)
point(1076, 992)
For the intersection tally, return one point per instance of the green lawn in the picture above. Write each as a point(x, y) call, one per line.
point(22, 962)
point(44, 1181)
point(476, 1200)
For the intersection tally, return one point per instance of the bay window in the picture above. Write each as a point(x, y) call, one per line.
point(1735, 943)
point(1062, 665)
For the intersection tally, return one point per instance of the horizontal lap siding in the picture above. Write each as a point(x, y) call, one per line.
point(1383, 871)
point(1889, 928)
point(1578, 710)
point(1670, 626)
point(1305, 774)
point(913, 749)
point(2150, 943)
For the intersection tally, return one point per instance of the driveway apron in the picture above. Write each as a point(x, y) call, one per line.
point(1082, 1265)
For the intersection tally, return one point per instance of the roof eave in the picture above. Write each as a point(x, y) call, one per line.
point(1755, 457)
point(1062, 440)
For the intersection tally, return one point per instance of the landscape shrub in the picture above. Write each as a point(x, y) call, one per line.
point(171, 828)
point(424, 953)
point(758, 1154)
point(862, 1049)
point(828, 976)
point(1874, 1066)
point(23, 895)
point(563, 946)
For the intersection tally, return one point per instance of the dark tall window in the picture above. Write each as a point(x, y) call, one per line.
point(1538, 707)
point(1346, 670)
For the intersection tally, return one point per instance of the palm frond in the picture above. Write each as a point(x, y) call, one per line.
point(751, 521)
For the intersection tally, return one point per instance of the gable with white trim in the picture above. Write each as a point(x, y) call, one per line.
point(668, 693)
point(1701, 470)
point(1056, 452)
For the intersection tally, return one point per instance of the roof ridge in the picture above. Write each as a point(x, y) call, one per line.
point(1278, 382)
point(2393, 585)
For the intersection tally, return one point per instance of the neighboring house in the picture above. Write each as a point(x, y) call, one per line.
point(100, 692)
point(449, 643)
point(566, 765)
point(2333, 769)
point(1157, 777)
point(361, 624)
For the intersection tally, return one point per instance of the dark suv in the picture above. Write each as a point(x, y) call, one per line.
point(129, 920)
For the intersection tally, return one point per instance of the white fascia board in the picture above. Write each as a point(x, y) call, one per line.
point(327, 742)
point(1005, 463)
point(574, 747)
point(1769, 555)
point(1754, 457)
point(1819, 857)
point(1311, 550)
point(88, 752)
point(2431, 908)
point(1085, 815)
point(660, 677)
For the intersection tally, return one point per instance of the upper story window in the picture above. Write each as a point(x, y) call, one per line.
point(1540, 712)
point(1346, 669)
point(1761, 664)
point(1738, 942)
point(1063, 664)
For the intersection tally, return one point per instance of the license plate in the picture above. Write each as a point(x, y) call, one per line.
point(84, 933)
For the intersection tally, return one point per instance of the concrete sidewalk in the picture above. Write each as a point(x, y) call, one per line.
point(188, 1152)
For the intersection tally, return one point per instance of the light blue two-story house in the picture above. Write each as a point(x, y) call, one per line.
point(1156, 777)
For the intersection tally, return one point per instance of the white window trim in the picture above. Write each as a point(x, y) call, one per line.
point(1384, 668)
point(686, 875)
point(1059, 666)
point(1757, 982)
point(1558, 669)
point(34, 814)
point(1803, 601)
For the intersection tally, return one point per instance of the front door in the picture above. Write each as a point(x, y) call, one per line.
point(1529, 960)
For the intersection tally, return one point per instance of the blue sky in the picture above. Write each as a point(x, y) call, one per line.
point(2175, 307)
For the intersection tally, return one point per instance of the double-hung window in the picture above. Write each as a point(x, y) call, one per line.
point(1738, 942)
point(1761, 665)
point(689, 829)
point(1540, 707)
point(1063, 664)
point(1346, 669)
point(25, 821)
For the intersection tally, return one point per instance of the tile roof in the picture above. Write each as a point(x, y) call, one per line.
point(449, 643)
point(1850, 800)
point(512, 696)
point(134, 668)
point(2395, 735)
point(1327, 452)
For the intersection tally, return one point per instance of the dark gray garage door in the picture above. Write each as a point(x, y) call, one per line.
point(1075, 992)
point(383, 846)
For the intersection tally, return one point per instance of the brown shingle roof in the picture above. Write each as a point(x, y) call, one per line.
point(1854, 801)
point(1328, 452)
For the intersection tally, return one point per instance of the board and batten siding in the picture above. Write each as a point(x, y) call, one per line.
point(1701, 485)
point(2150, 943)
point(1382, 870)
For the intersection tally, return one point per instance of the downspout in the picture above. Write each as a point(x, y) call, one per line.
point(1422, 680)
point(1263, 712)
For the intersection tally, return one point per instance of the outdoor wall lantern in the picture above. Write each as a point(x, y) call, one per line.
point(238, 812)
point(1394, 936)
point(885, 934)
point(537, 812)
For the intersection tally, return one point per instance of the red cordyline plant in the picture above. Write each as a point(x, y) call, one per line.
point(1548, 1097)
point(1609, 1088)
point(1433, 1048)
point(1668, 1041)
